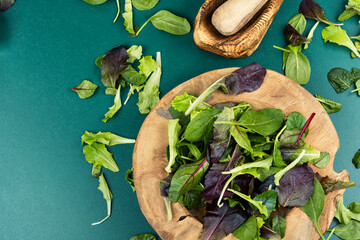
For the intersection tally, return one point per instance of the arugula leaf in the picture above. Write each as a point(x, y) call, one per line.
point(298, 22)
point(296, 186)
point(146, 236)
point(104, 188)
point(329, 105)
point(144, 4)
point(258, 204)
point(147, 65)
point(173, 136)
point(149, 97)
point(113, 109)
point(112, 65)
point(350, 231)
point(356, 159)
point(94, 2)
point(312, 10)
point(86, 89)
point(340, 79)
point(128, 17)
point(186, 178)
point(130, 179)
point(107, 138)
point(134, 52)
point(98, 155)
point(168, 22)
point(314, 207)
point(337, 35)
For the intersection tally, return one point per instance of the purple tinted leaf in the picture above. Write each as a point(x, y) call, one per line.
point(294, 36)
point(215, 180)
point(329, 184)
point(165, 185)
point(312, 10)
point(266, 232)
point(6, 4)
point(112, 65)
point(296, 186)
point(246, 79)
point(219, 222)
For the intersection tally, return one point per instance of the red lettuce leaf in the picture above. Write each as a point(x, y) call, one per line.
point(246, 79)
point(219, 222)
point(329, 184)
point(312, 10)
point(112, 65)
point(6, 4)
point(215, 180)
point(294, 36)
point(296, 186)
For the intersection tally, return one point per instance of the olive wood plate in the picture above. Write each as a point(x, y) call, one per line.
point(239, 45)
point(278, 91)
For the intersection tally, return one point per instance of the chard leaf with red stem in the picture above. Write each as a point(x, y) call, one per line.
point(86, 89)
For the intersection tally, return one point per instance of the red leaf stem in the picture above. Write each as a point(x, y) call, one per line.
point(305, 127)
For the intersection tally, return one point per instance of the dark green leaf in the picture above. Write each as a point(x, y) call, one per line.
point(329, 105)
point(248, 230)
point(354, 207)
point(278, 224)
point(168, 22)
point(146, 236)
point(340, 79)
point(183, 120)
point(193, 198)
point(132, 76)
point(355, 75)
point(268, 199)
point(144, 4)
point(241, 138)
point(350, 231)
point(295, 120)
point(356, 159)
point(130, 179)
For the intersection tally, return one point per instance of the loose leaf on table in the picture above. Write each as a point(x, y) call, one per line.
point(294, 37)
point(311, 34)
point(340, 79)
point(98, 155)
point(132, 91)
point(107, 138)
point(145, 236)
point(147, 65)
point(354, 207)
point(322, 161)
point(348, 13)
point(144, 4)
point(99, 60)
point(343, 214)
point(357, 89)
point(128, 17)
point(86, 89)
point(6, 4)
point(278, 224)
point(215, 180)
point(201, 125)
point(114, 108)
point(329, 184)
point(329, 105)
point(337, 35)
point(130, 179)
point(296, 186)
point(173, 137)
point(268, 198)
point(298, 22)
point(221, 140)
point(356, 159)
point(350, 231)
point(104, 188)
point(297, 66)
point(112, 65)
point(93, 2)
point(219, 222)
point(314, 207)
point(132, 76)
point(186, 178)
point(168, 22)
point(96, 171)
point(312, 10)
point(135, 53)
point(149, 97)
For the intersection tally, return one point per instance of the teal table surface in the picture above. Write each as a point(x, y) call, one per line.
point(47, 47)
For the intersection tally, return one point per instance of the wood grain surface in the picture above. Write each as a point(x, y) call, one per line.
point(241, 44)
point(149, 157)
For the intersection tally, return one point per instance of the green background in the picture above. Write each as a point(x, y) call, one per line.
point(47, 47)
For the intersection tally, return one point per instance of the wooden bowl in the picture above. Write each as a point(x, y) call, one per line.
point(241, 44)
point(149, 158)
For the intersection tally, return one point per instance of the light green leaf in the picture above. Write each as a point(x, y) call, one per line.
point(128, 17)
point(350, 231)
point(144, 4)
point(113, 109)
point(281, 173)
point(107, 138)
point(258, 204)
point(95, 2)
point(98, 60)
point(241, 138)
point(132, 76)
point(129, 179)
point(147, 65)
point(173, 136)
point(135, 53)
point(98, 155)
point(104, 188)
point(298, 22)
point(86, 89)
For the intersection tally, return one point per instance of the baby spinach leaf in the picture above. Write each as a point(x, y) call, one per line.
point(147, 65)
point(296, 186)
point(107, 138)
point(168, 22)
point(246, 79)
point(98, 155)
point(295, 120)
point(93, 2)
point(128, 17)
point(201, 125)
point(186, 178)
point(183, 120)
point(343, 214)
point(278, 224)
point(146, 236)
point(241, 137)
point(340, 79)
point(329, 105)
point(112, 65)
point(312, 10)
point(258, 204)
point(130, 179)
point(193, 198)
point(135, 53)
point(265, 173)
point(265, 121)
point(215, 180)
point(247, 230)
point(173, 136)
point(144, 4)
point(298, 22)
point(219, 222)
point(297, 66)
point(293, 36)
point(356, 159)
point(350, 231)
point(104, 188)
point(329, 184)
point(86, 89)
point(354, 207)
point(132, 76)
point(314, 207)
point(337, 35)
point(113, 109)
point(322, 161)
point(268, 198)
point(149, 97)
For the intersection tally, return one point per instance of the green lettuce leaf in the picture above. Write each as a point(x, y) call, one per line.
point(113, 109)
point(129, 179)
point(135, 53)
point(147, 65)
point(86, 89)
point(98, 155)
point(104, 188)
point(173, 136)
point(128, 17)
point(107, 138)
